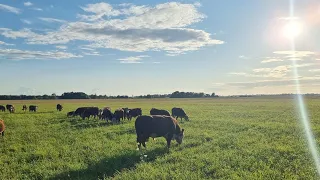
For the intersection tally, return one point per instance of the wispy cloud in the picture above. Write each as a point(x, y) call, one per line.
point(26, 21)
point(269, 60)
point(295, 54)
point(27, 3)
point(62, 47)
point(91, 53)
point(37, 9)
point(10, 9)
point(163, 27)
point(132, 59)
point(52, 20)
point(17, 54)
point(5, 44)
point(243, 57)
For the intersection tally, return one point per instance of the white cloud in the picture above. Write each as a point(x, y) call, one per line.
point(16, 54)
point(86, 48)
point(238, 73)
point(26, 21)
point(52, 20)
point(24, 33)
point(5, 44)
point(146, 28)
point(269, 60)
point(27, 4)
point(314, 70)
point(92, 53)
point(156, 62)
point(62, 47)
point(37, 9)
point(99, 10)
point(10, 9)
point(295, 54)
point(132, 59)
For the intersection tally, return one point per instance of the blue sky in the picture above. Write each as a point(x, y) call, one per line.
point(141, 47)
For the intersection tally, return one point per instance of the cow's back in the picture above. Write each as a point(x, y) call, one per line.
point(155, 125)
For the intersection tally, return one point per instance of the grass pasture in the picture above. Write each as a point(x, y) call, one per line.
point(227, 138)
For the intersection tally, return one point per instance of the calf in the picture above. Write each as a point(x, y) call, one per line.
point(24, 108)
point(155, 111)
point(2, 127)
point(179, 112)
point(33, 108)
point(2, 108)
point(158, 126)
point(59, 107)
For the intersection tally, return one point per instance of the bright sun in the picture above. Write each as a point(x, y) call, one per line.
point(292, 29)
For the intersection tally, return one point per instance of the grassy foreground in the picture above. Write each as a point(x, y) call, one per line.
point(249, 138)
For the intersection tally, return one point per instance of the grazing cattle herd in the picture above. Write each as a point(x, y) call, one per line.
point(158, 124)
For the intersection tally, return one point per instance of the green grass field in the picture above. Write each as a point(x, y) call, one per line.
point(235, 138)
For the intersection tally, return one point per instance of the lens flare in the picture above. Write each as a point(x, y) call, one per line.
point(292, 29)
point(300, 101)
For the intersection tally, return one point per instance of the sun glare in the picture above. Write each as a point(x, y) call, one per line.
point(292, 29)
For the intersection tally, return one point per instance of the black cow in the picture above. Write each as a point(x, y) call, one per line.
point(179, 112)
point(155, 111)
point(2, 108)
point(90, 111)
point(70, 113)
point(59, 107)
point(2, 127)
point(118, 114)
point(134, 113)
point(24, 108)
point(86, 114)
point(106, 114)
point(158, 126)
point(33, 108)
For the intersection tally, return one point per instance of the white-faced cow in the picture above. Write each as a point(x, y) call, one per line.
point(158, 126)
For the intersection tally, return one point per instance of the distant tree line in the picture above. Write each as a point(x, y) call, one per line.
point(82, 95)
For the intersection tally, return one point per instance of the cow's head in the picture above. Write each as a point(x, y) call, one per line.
point(179, 137)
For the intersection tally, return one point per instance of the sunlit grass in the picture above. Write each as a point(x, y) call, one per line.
point(253, 138)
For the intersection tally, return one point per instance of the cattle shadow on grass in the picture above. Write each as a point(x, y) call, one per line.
point(109, 167)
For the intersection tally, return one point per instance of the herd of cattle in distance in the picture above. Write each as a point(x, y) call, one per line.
point(158, 124)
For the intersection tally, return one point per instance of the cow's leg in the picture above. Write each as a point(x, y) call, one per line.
point(2, 133)
point(169, 138)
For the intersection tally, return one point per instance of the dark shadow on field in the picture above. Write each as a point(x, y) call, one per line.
point(109, 166)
